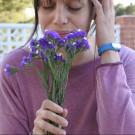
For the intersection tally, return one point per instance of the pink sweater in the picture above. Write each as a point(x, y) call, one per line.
point(100, 98)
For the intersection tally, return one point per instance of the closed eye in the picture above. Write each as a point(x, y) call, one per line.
point(74, 9)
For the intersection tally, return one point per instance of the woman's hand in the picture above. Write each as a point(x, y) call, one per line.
point(105, 20)
point(48, 111)
point(105, 33)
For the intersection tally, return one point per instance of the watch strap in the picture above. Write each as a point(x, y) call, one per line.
point(105, 47)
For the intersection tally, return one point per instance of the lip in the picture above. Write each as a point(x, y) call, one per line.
point(63, 33)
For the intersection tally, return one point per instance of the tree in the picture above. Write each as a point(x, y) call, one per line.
point(128, 10)
point(13, 10)
point(119, 9)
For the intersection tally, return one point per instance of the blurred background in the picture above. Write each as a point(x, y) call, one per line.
point(17, 17)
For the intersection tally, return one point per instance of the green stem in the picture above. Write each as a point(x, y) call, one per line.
point(50, 65)
point(58, 86)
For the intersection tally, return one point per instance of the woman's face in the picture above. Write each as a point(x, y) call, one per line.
point(64, 16)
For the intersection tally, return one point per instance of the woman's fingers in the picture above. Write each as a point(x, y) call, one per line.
point(43, 125)
point(98, 7)
point(109, 8)
point(38, 131)
point(47, 104)
point(105, 5)
point(52, 112)
point(65, 112)
point(105, 20)
point(48, 115)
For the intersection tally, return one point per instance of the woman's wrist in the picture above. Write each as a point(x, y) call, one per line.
point(110, 57)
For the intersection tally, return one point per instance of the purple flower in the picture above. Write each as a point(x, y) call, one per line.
point(75, 35)
point(33, 49)
point(43, 43)
point(59, 57)
point(33, 46)
point(45, 59)
point(41, 54)
point(8, 70)
point(25, 61)
point(31, 55)
point(69, 36)
point(80, 33)
point(85, 43)
point(51, 34)
point(60, 42)
point(51, 45)
point(68, 45)
point(32, 42)
point(71, 48)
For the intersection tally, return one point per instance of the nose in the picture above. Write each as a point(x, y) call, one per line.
point(60, 16)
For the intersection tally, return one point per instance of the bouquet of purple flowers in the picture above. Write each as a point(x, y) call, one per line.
point(57, 55)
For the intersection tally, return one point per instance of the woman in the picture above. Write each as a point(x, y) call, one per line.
point(100, 93)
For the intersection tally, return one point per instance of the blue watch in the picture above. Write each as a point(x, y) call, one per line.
point(108, 46)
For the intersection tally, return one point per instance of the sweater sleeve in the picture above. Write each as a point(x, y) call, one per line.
point(13, 117)
point(115, 93)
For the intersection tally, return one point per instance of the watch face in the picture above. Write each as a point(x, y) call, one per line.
point(116, 45)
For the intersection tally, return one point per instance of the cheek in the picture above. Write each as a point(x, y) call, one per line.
point(82, 24)
point(82, 21)
point(42, 19)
